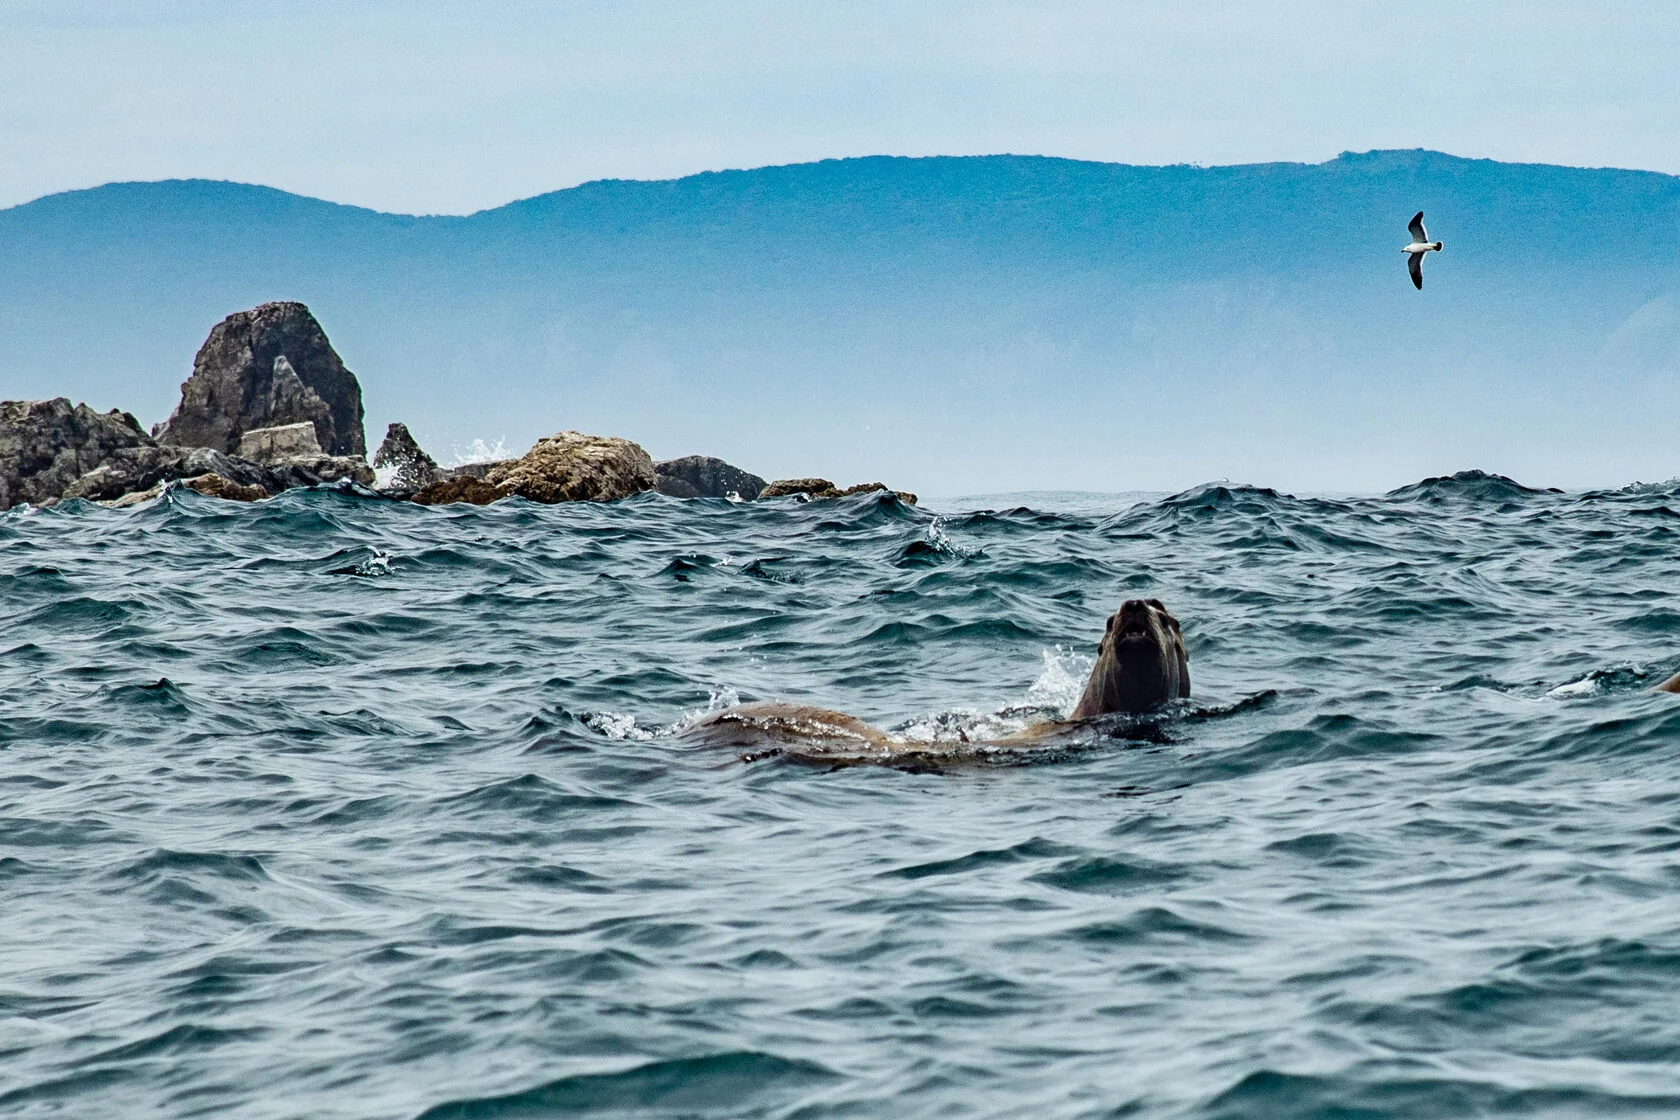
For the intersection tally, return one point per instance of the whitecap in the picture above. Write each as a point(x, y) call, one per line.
point(616, 725)
point(480, 452)
point(1060, 680)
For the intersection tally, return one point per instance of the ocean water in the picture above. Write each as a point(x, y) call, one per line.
point(332, 807)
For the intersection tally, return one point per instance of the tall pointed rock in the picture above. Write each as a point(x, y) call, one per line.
point(263, 368)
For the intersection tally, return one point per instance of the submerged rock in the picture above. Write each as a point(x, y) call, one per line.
point(138, 497)
point(268, 367)
point(411, 468)
point(904, 496)
point(45, 446)
point(135, 470)
point(783, 487)
point(823, 488)
point(213, 485)
point(131, 470)
point(701, 476)
point(305, 470)
point(463, 488)
point(565, 467)
point(218, 487)
point(288, 441)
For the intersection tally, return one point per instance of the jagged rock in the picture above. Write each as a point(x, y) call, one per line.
point(218, 487)
point(701, 476)
point(462, 488)
point(782, 487)
point(288, 441)
point(411, 468)
point(45, 446)
point(823, 488)
point(263, 368)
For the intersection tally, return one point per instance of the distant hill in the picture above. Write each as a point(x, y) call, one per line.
point(944, 324)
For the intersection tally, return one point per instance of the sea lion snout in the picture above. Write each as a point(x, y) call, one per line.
point(1133, 620)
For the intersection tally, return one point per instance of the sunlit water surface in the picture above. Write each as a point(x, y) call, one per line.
point(333, 807)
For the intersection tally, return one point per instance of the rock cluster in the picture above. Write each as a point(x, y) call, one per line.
point(701, 476)
point(45, 446)
point(270, 406)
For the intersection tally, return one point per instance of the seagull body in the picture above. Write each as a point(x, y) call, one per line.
point(1419, 246)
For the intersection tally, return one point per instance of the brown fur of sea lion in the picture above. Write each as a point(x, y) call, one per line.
point(824, 737)
point(773, 725)
point(1141, 662)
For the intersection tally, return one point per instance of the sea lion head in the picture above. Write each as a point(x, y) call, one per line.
point(1141, 662)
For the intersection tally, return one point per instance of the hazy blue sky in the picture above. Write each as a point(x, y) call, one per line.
point(451, 107)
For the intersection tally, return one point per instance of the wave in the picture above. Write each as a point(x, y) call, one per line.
point(735, 1084)
point(1471, 486)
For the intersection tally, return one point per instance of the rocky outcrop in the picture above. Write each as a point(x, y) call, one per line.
point(573, 467)
point(567, 467)
point(823, 488)
point(402, 465)
point(45, 446)
point(782, 487)
point(267, 367)
point(289, 441)
point(701, 476)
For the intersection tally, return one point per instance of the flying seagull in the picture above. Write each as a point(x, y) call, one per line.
point(1419, 246)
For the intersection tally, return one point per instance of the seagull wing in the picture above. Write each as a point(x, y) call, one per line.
point(1414, 262)
point(1418, 232)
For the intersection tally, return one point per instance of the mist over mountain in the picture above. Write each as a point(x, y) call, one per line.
point(959, 324)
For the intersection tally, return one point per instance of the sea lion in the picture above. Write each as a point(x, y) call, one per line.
point(1672, 684)
point(1141, 662)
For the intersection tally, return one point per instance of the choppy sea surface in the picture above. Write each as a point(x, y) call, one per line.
point(327, 806)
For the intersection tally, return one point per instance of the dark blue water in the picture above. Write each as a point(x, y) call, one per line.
point(331, 807)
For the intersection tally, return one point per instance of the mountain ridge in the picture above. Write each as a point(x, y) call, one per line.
point(957, 322)
point(1344, 157)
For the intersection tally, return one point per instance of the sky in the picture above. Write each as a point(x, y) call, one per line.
point(436, 107)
